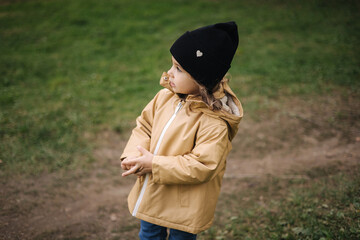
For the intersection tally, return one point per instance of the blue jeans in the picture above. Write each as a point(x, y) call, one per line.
point(149, 231)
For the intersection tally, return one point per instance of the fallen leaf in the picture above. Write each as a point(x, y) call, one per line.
point(325, 206)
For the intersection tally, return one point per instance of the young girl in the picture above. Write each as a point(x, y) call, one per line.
point(179, 147)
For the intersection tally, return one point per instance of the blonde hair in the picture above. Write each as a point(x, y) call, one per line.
point(208, 97)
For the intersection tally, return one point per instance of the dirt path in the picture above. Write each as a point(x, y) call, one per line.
point(91, 204)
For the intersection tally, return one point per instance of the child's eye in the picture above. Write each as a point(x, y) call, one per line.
point(178, 69)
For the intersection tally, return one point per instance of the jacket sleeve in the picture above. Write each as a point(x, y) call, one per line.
point(141, 134)
point(203, 163)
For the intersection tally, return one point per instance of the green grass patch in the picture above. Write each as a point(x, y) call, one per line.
point(324, 206)
point(72, 67)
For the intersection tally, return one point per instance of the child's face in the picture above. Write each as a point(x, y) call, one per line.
point(181, 81)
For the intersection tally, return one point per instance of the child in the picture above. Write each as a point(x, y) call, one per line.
point(179, 147)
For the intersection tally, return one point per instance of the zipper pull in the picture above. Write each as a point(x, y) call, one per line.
point(178, 107)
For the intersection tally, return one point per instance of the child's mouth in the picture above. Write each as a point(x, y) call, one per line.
point(172, 84)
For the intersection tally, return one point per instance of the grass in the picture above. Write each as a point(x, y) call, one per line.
point(69, 68)
point(326, 205)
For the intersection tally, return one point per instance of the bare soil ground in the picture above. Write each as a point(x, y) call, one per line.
point(290, 137)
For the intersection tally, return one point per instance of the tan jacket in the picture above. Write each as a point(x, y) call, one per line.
point(190, 144)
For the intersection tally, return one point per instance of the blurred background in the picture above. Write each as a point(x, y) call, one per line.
point(74, 75)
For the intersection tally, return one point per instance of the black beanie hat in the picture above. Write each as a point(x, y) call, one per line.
point(206, 53)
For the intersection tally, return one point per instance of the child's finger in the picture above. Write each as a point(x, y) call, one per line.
point(142, 150)
point(132, 161)
point(131, 171)
point(124, 166)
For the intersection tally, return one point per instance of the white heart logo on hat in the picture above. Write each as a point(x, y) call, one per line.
point(199, 53)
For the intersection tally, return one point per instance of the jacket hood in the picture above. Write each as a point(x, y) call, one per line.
point(231, 113)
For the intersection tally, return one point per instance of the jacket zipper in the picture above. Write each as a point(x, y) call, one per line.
point(141, 195)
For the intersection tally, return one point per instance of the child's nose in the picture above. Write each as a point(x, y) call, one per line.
point(170, 72)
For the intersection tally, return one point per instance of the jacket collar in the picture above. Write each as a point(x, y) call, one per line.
point(198, 105)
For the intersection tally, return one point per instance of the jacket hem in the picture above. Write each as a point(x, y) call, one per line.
point(163, 223)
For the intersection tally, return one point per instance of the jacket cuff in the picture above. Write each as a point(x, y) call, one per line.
point(156, 169)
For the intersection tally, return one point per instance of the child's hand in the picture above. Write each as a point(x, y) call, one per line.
point(139, 165)
point(124, 164)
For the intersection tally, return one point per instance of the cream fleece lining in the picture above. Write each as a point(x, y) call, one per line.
point(229, 105)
